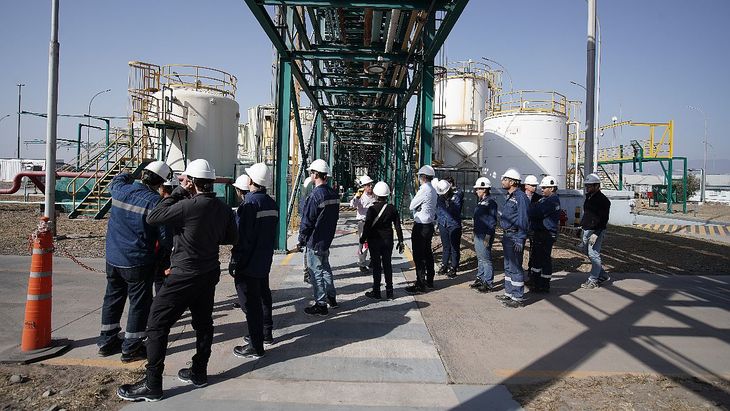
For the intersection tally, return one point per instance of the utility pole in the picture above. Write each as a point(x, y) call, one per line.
point(53, 51)
point(590, 89)
point(19, 97)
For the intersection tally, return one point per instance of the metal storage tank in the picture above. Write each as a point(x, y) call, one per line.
point(526, 130)
point(205, 97)
point(460, 97)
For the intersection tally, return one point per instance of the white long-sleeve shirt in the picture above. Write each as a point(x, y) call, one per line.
point(423, 205)
point(362, 204)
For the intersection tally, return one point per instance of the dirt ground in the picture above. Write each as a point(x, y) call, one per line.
point(627, 392)
point(65, 387)
point(626, 249)
point(715, 212)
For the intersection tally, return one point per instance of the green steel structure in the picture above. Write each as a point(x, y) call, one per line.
point(358, 63)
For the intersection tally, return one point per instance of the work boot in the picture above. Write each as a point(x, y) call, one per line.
point(451, 273)
point(443, 269)
point(137, 355)
point(512, 304)
point(415, 289)
point(187, 375)
point(139, 391)
point(247, 351)
point(476, 284)
point(332, 301)
point(589, 285)
point(502, 297)
point(375, 295)
point(485, 288)
point(268, 339)
point(115, 347)
point(316, 309)
point(389, 293)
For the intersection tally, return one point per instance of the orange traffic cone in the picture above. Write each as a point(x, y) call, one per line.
point(37, 324)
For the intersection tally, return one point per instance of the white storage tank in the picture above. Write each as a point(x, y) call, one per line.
point(460, 97)
point(204, 99)
point(526, 130)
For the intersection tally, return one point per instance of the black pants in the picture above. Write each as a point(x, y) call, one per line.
point(381, 253)
point(163, 263)
point(541, 269)
point(180, 292)
point(422, 253)
point(254, 294)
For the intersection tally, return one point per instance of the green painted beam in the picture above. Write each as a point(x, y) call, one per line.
point(358, 90)
point(318, 133)
point(450, 19)
point(427, 95)
point(398, 58)
point(281, 162)
point(359, 108)
point(380, 4)
point(259, 12)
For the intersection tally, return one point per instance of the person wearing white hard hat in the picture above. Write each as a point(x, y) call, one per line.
point(256, 218)
point(382, 218)
point(596, 209)
point(316, 231)
point(202, 223)
point(423, 207)
point(529, 186)
point(130, 260)
point(165, 248)
point(544, 225)
point(514, 223)
point(485, 223)
point(306, 189)
point(363, 199)
point(448, 216)
point(242, 188)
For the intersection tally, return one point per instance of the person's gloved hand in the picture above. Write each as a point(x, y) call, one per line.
point(232, 268)
point(517, 247)
point(400, 247)
point(592, 239)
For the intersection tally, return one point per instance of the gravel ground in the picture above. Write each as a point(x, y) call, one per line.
point(44, 387)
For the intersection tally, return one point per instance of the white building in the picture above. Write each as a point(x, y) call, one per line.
point(717, 189)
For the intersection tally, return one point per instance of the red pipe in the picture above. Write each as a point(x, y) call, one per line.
point(35, 177)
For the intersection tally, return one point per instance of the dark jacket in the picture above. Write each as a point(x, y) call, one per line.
point(448, 211)
point(596, 209)
point(382, 231)
point(319, 218)
point(513, 219)
point(130, 240)
point(256, 217)
point(485, 218)
point(202, 223)
point(545, 214)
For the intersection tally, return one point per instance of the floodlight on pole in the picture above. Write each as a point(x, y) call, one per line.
point(88, 121)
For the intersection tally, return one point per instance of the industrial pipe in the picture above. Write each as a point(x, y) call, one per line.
point(34, 176)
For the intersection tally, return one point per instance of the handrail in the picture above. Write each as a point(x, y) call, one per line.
point(199, 77)
point(528, 101)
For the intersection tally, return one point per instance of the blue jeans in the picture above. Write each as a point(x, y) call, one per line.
point(483, 249)
point(514, 276)
point(451, 245)
point(320, 275)
point(594, 254)
point(135, 283)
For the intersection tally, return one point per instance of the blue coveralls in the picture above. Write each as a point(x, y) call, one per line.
point(448, 216)
point(485, 222)
point(544, 222)
point(514, 222)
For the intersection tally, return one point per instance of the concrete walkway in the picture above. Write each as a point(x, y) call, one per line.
point(365, 354)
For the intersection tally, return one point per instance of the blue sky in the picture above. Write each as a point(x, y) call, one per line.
point(657, 57)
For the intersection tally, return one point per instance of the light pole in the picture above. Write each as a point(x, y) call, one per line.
point(4, 117)
point(704, 159)
point(19, 97)
point(88, 121)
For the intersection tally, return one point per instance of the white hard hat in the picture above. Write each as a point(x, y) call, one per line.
point(307, 181)
point(530, 180)
point(259, 174)
point(483, 182)
point(426, 171)
point(172, 182)
point(160, 168)
point(549, 181)
point(512, 173)
point(592, 179)
point(242, 182)
point(319, 165)
point(381, 189)
point(200, 168)
point(365, 180)
point(442, 187)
